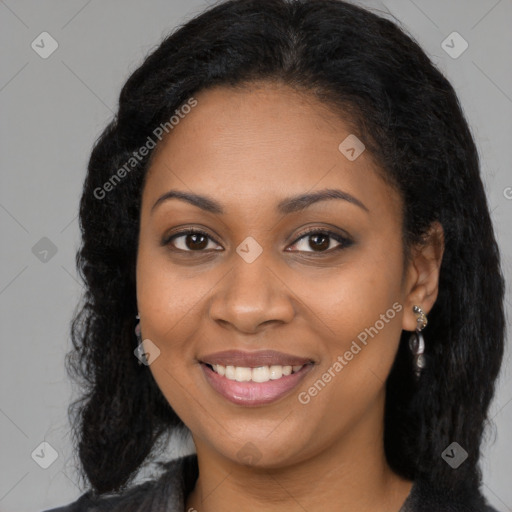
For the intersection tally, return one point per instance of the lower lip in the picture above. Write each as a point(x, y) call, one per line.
point(254, 393)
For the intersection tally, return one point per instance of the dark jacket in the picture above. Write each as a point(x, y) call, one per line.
point(168, 492)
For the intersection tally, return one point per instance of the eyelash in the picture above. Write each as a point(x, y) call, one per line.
point(344, 242)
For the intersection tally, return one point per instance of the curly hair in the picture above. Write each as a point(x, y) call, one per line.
point(369, 70)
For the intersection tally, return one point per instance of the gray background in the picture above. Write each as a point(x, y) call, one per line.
point(53, 109)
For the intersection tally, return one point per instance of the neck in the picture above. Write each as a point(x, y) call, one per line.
point(351, 474)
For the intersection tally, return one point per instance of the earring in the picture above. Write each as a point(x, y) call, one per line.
point(137, 330)
point(416, 341)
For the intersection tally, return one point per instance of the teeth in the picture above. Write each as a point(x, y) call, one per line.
point(230, 372)
point(259, 374)
point(242, 374)
point(276, 372)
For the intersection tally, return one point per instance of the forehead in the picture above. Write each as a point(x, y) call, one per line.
point(247, 146)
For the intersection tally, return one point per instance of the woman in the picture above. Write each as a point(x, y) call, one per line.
point(288, 212)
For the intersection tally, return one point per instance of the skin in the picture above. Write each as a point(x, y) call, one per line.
point(249, 149)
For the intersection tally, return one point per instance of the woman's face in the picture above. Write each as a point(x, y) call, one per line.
point(331, 306)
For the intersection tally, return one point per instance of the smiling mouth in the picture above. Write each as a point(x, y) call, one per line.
point(259, 374)
point(250, 387)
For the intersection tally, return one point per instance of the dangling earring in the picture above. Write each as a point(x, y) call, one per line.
point(416, 341)
point(137, 330)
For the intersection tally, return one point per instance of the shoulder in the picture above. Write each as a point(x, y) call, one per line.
point(425, 497)
point(88, 503)
point(164, 493)
point(78, 505)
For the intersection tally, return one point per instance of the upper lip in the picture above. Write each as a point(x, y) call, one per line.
point(254, 359)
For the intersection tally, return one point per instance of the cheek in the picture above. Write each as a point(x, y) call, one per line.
point(167, 306)
point(362, 306)
point(351, 378)
point(350, 298)
point(166, 296)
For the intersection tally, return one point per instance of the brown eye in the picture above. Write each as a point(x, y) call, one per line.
point(320, 241)
point(190, 241)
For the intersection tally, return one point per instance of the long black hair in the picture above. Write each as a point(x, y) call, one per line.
point(408, 115)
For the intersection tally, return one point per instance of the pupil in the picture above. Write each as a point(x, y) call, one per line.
point(321, 245)
point(195, 244)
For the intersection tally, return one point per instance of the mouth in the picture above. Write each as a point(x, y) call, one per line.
point(259, 374)
point(252, 379)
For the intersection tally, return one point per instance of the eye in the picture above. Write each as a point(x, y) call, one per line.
point(320, 241)
point(194, 240)
point(190, 240)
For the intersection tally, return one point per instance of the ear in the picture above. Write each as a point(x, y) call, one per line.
point(422, 274)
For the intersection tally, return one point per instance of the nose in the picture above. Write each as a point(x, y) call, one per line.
point(251, 295)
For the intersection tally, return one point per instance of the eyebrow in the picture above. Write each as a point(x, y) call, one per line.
point(286, 206)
